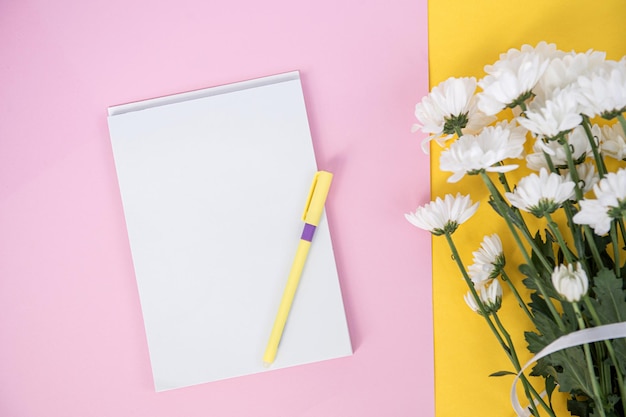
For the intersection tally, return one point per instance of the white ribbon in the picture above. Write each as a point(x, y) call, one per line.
point(577, 338)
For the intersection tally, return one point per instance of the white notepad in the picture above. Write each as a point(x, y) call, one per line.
point(213, 185)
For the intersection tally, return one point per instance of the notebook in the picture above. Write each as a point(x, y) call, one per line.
point(213, 185)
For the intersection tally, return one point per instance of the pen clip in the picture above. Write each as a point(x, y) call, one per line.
point(310, 197)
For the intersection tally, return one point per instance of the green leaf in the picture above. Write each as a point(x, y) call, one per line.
point(502, 373)
point(569, 317)
point(573, 377)
point(525, 270)
point(612, 400)
point(506, 212)
point(579, 407)
point(609, 298)
point(609, 301)
point(547, 332)
point(623, 270)
point(550, 387)
point(537, 304)
point(545, 280)
point(544, 368)
point(569, 370)
point(535, 341)
point(546, 248)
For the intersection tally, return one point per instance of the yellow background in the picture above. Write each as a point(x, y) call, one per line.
point(464, 36)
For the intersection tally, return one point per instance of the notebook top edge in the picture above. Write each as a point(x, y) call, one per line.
point(202, 93)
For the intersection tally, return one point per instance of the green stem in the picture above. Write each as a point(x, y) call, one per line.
point(621, 226)
point(509, 350)
point(579, 193)
point(597, 394)
point(517, 295)
point(504, 181)
point(499, 202)
point(592, 245)
point(622, 122)
point(611, 351)
point(522, 106)
point(554, 228)
point(548, 159)
point(521, 223)
point(466, 277)
point(528, 386)
point(572, 168)
point(576, 235)
point(620, 223)
point(603, 368)
point(470, 284)
point(594, 148)
point(458, 131)
point(616, 250)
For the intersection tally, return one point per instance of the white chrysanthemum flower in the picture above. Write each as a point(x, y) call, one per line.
point(490, 251)
point(550, 117)
point(484, 152)
point(587, 176)
point(541, 194)
point(610, 203)
point(594, 214)
point(490, 296)
point(449, 105)
point(511, 79)
point(565, 69)
point(443, 216)
point(611, 190)
point(613, 142)
point(571, 284)
point(471, 302)
point(488, 261)
point(537, 159)
point(578, 143)
point(605, 91)
point(479, 274)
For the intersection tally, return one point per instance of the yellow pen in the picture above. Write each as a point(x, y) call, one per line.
point(311, 217)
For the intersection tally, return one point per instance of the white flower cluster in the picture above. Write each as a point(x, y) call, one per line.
point(572, 107)
point(553, 95)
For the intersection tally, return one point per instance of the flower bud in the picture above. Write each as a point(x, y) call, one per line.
point(490, 296)
point(571, 284)
point(471, 302)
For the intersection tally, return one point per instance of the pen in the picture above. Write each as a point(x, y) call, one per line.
point(312, 213)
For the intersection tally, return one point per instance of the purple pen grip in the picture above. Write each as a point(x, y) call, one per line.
point(307, 233)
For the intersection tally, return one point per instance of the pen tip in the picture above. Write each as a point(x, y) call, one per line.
point(267, 364)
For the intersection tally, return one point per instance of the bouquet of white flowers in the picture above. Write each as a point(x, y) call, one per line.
point(563, 112)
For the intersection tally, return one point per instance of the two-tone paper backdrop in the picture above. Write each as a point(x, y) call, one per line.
point(463, 37)
point(72, 342)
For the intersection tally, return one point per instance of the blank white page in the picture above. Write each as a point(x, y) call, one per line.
point(213, 185)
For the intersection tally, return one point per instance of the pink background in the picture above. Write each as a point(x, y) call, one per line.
point(72, 341)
